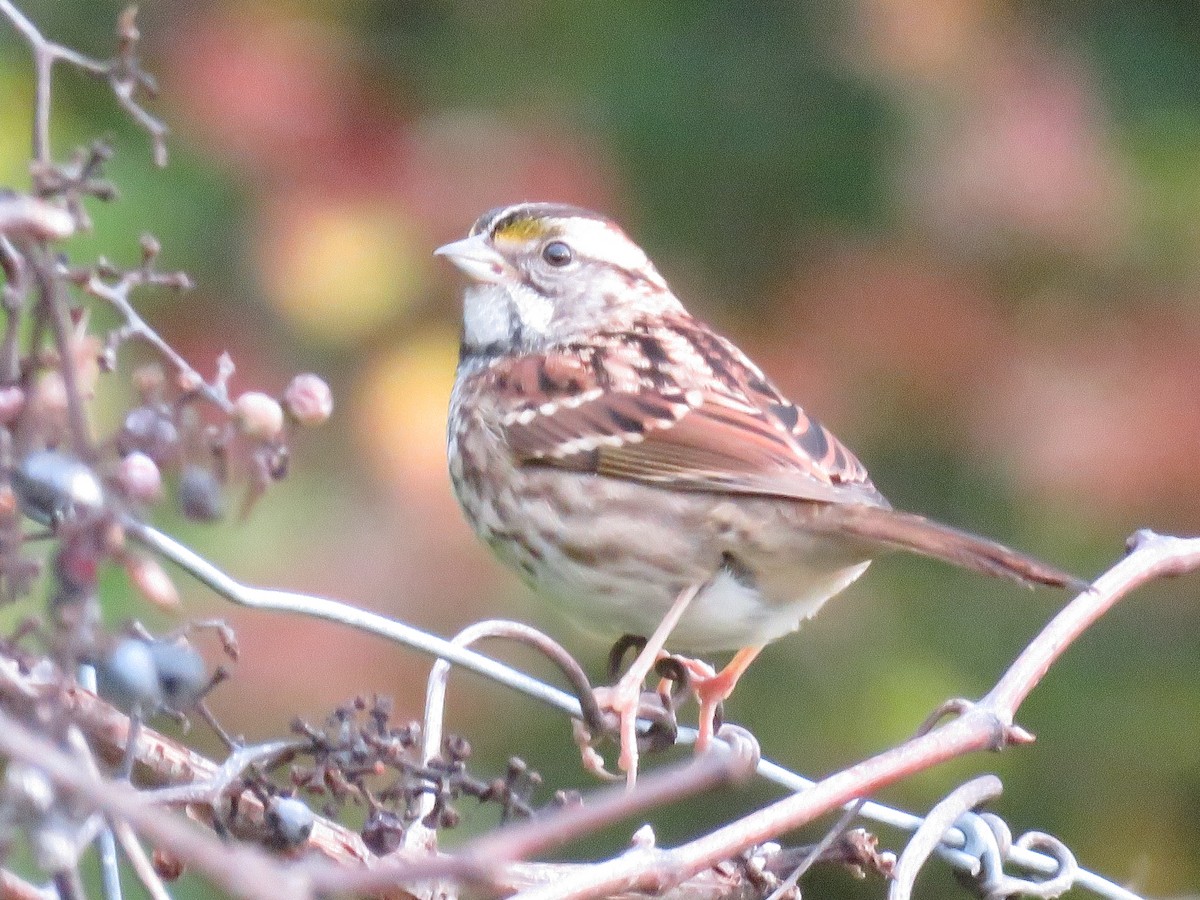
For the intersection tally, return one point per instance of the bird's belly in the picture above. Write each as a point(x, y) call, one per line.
point(726, 615)
point(613, 556)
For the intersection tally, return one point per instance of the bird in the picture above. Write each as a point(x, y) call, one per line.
point(641, 472)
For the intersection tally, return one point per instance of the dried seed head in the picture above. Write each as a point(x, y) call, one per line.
point(167, 865)
point(48, 399)
point(150, 247)
point(200, 495)
point(457, 748)
point(188, 382)
point(150, 430)
point(77, 566)
point(149, 380)
point(383, 832)
point(8, 503)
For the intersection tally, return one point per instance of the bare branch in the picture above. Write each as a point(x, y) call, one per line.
point(981, 727)
point(139, 861)
point(160, 759)
point(52, 305)
point(238, 869)
point(116, 294)
point(790, 883)
point(13, 297)
point(485, 860)
point(1150, 556)
point(126, 77)
point(210, 791)
point(123, 73)
point(12, 887)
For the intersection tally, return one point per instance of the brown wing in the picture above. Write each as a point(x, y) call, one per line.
point(673, 403)
point(677, 404)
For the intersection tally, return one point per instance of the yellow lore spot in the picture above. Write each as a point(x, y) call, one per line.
point(521, 230)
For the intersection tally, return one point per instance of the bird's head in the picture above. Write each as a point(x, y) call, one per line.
point(547, 274)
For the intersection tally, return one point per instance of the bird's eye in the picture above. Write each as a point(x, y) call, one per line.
point(557, 254)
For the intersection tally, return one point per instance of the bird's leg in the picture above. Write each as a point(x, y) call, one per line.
point(624, 697)
point(713, 688)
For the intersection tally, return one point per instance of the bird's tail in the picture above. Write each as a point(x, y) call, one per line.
point(928, 538)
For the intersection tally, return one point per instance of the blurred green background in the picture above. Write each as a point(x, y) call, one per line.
point(966, 234)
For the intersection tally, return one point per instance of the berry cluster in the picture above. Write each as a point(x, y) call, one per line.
point(182, 437)
point(359, 757)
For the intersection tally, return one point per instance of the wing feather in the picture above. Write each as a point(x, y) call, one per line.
point(625, 407)
point(676, 404)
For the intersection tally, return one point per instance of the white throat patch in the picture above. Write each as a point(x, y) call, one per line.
point(501, 314)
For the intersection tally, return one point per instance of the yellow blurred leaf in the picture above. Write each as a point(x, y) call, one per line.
point(337, 270)
point(401, 402)
point(16, 115)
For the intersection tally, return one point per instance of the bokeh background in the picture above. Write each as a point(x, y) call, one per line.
point(966, 234)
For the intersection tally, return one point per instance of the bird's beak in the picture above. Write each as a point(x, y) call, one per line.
point(476, 258)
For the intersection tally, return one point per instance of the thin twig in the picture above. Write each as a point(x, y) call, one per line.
point(139, 861)
point(125, 76)
point(13, 887)
point(13, 297)
point(110, 872)
point(239, 869)
point(52, 305)
point(45, 53)
point(211, 790)
point(134, 326)
point(789, 883)
point(1150, 556)
point(485, 860)
point(123, 73)
point(160, 759)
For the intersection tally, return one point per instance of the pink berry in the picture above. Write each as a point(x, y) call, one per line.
point(308, 399)
point(12, 401)
point(258, 415)
point(152, 582)
point(139, 477)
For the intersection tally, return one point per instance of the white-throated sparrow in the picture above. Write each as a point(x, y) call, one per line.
point(628, 461)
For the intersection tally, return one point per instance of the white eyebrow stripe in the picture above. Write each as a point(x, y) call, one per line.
point(604, 241)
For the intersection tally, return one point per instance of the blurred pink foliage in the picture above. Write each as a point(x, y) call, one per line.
point(1026, 154)
point(1008, 139)
point(1103, 414)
